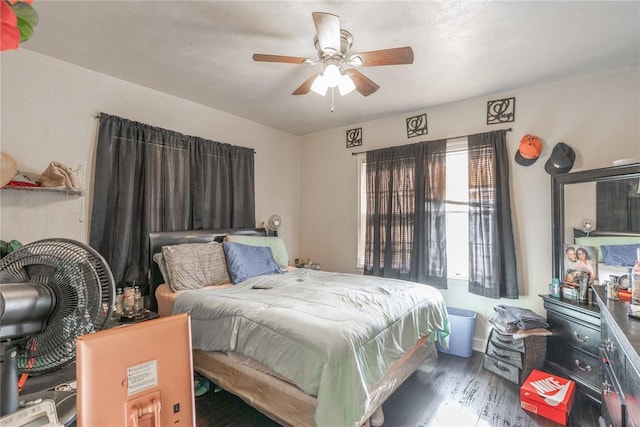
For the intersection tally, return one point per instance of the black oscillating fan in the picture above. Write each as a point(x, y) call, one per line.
point(51, 292)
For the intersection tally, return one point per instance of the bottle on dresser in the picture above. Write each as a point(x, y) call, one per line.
point(635, 280)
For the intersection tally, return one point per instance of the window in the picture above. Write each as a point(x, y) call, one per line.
point(457, 209)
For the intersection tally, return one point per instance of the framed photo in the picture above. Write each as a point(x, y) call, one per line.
point(580, 263)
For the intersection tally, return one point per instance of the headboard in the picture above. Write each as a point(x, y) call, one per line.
point(158, 239)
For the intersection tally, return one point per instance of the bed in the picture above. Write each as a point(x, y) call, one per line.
point(335, 364)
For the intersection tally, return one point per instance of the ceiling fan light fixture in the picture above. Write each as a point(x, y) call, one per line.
point(319, 85)
point(345, 85)
point(333, 45)
point(332, 75)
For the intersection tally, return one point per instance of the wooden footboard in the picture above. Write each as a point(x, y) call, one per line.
point(287, 404)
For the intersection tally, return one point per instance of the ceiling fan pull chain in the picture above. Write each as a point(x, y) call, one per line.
point(332, 100)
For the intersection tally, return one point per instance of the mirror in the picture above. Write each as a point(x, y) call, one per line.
point(610, 197)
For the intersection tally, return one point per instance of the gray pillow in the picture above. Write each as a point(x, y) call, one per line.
point(195, 265)
point(162, 266)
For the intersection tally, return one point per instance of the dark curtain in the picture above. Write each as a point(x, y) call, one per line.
point(405, 225)
point(492, 263)
point(429, 264)
point(618, 205)
point(152, 179)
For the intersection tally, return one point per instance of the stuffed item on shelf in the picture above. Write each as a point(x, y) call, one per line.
point(8, 168)
point(57, 175)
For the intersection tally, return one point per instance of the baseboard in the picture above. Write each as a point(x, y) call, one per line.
point(478, 345)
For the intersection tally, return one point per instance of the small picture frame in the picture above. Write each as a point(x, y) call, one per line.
point(580, 263)
point(501, 111)
point(417, 125)
point(354, 137)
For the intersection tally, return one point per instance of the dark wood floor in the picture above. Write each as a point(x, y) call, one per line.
point(452, 391)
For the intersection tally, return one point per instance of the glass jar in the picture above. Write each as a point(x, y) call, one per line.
point(128, 300)
point(119, 300)
point(554, 288)
point(615, 290)
point(635, 281)
point(138, 305)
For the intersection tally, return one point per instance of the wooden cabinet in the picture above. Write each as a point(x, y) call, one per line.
point(573, 349)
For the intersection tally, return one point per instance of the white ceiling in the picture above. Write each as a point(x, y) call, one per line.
point(201, 50)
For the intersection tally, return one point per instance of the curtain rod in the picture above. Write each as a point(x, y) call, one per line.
point(452, 137)
point(97, 116)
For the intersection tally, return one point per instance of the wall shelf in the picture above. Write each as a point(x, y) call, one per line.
point(61, 190)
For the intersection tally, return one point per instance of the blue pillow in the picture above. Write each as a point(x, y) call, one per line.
point(246, 261)
point(620, 255)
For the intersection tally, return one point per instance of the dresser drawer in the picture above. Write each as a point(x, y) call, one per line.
point(503, 369)
point(585, 366)
point(631, 389)
point(568, 331)
point(614, 408)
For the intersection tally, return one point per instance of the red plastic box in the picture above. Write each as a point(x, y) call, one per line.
point(547, 395)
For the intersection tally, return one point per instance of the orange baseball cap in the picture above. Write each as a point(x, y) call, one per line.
point(529, 150)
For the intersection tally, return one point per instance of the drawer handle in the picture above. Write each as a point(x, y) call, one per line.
point(608, 344)
point(585, 369)
point(580, 339)
point(502, 368)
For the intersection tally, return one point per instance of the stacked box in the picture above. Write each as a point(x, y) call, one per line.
point(547, 395)
point(512, 358)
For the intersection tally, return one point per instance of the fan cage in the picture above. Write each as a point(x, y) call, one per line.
point(84, 289)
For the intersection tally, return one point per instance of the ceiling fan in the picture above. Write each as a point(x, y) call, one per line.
point(334, 53)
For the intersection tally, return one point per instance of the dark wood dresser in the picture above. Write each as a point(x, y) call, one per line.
point(573, 350)
point(620, 359)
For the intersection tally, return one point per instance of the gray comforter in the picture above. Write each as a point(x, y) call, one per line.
point(333, 335)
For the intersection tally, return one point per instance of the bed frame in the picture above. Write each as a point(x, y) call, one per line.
point(274, 397)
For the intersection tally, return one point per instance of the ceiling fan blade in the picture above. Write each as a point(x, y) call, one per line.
point(305, 87)
point(398, 55)
point(278, 58)
point(363, 84)
point(328, 29)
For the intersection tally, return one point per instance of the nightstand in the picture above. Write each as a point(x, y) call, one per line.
point(129, 320)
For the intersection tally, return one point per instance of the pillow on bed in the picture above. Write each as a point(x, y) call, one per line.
point(246, 261)
point(162, 266)
point(276, 244)
point(195, 265)
point(620, 255)
point(598, 241)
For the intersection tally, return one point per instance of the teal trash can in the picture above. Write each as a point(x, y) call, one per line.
point(462, 324)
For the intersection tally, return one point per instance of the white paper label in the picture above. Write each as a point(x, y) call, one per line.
point(142, 377)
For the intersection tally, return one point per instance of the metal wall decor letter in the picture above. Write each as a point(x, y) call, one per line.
point(501, 111)
point(354, 137)
point(417, 125)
